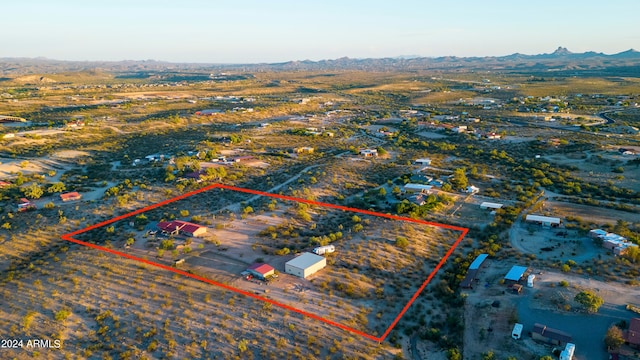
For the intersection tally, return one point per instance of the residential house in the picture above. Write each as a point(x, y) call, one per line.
point(176, 227)
point(632, 334)
point(70, 196)
point(25, 204)
point(369, 153)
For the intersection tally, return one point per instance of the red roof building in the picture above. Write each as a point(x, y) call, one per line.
point(70, 196)
point(4, 184)
point(182, 227)
point(25, 204)
point(261, 270)
point(632, 335)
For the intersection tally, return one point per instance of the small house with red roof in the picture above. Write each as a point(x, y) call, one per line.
point(261, 270)
point(25, 204)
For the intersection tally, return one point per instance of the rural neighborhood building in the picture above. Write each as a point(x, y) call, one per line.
point(369, 153)
point(70, 196)
point(305, 265)
point(418, 199)
point(412, 188)
point(516, 273)
point(632, 334)
point(25, 204)
point(471, 189)
point(425, 162)
point(261, 271)
point(176, 227)
point(489, 205)
point(552, 336)
point(619, 245)
point(474, 268)
point(544, 220)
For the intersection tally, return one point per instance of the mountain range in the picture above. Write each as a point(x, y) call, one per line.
point(625, 63)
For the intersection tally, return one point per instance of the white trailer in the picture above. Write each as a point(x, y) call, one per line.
point(567, 353)
point(517, 331)
point(530, 280)
point(321, 250)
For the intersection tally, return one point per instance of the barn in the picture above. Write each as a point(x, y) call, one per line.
point(305, 265)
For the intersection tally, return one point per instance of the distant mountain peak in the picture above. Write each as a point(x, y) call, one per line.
point(562, 51)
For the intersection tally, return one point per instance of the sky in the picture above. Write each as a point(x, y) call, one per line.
point(256, 31)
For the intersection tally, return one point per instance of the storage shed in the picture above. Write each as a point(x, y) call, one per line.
point(261, 271)
point(305, 265)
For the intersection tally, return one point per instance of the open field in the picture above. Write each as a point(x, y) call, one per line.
point(234, 245)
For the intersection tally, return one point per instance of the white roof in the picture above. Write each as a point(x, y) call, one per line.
point(491, 205)
point(423, 160)
point(544, 219)
point(418, 187)
point(305, 260)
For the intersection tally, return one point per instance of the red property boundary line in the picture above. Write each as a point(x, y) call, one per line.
point(464, 231)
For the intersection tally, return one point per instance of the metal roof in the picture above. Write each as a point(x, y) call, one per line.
point(543, 219)
point(491, 205)
point(305, 260)
point(478, 262)
point(261, 268)
point(516, 272)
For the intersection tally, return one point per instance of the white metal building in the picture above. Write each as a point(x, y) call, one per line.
point(411, 188)
point(305, 265)
point(544, 220)
point(490, 205)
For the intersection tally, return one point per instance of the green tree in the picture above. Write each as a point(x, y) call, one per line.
point(242, 345)
point(454, 354)
point(589, 300)
point(33, 191)
point(546, 357)
point(633, 254)
point(402, 242)
point(382, 192)
point(614, 338)
point(56, 188)
point(489, 355)
point(459, 180)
